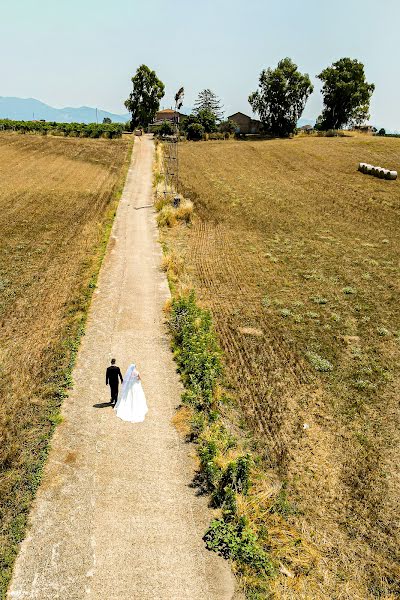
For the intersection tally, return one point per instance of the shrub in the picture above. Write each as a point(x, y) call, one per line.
point(195, 131)
point(166, 216)
point(161, 201)
point(235, 477)
point(166, 128)
point(236, 541)
point(210, 470)
point(198, 355)
point(227, 126)
point(184, 212)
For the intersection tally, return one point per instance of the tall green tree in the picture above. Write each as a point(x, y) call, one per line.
point(144, 100)
point(207, 100)
point(346, 94)
point(281, 97)
point(204, 117)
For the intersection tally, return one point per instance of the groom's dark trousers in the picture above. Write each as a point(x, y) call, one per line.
point(113, 374)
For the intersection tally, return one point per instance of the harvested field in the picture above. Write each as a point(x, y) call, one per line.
point(57, 200)
point(297, 255)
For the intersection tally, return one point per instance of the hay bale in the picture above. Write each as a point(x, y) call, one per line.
point(361, 167)
point(391, 175)
point(381, 173)
point(368, 169)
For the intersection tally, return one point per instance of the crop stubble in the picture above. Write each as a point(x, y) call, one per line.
point(297, 255)
point(56, 197)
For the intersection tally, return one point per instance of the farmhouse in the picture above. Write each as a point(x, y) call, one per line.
point(167, 114)
point(245, 123)
point(365, 129)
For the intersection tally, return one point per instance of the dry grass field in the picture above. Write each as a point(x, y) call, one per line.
point(297, 255)
point(57, 199)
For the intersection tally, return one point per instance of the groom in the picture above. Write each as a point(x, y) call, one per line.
point(112, 374)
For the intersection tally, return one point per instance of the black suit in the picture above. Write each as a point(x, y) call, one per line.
point(112, 375)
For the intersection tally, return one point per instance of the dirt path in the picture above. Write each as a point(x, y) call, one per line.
point(114, 518)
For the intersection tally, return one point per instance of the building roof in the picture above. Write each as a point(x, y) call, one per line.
point(239, 113)
point(166, 110)
point(243, 115)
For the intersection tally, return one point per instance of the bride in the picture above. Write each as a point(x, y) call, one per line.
point(131, 405)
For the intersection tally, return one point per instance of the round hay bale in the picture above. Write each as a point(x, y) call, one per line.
point(368, 169)
point(361, 166)
point(381, 173)
point(391, 175)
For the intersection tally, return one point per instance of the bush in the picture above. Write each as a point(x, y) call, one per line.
point(227, 126)
point(235, 477)
point(166, 216)
point(196, 350)
point(195, 131)
point(166, 128)
point(235, 541)
point(184, 212)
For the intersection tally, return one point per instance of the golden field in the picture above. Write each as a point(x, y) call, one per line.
point(297, 255)
point(57, 200)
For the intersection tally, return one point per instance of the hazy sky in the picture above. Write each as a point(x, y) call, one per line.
point(83, 52)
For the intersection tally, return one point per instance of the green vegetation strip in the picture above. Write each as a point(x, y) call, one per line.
point(198, 356)
point(90, 130)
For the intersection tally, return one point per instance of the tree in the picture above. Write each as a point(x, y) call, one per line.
point(203, 117)
point(281, 97)
point(207, 119)
point(207, 100)
point(144, 100)
point(346, 94)
point(227, 126)
point(166, 128)
point(107, 120)
point(195, 131)
point(382, 131)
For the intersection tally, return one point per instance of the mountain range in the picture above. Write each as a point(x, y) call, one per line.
point(28, 109)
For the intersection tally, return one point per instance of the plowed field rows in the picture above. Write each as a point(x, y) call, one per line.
point(297, 255)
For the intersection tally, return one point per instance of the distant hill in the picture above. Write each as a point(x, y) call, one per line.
point(26, 109)
point(301, 122)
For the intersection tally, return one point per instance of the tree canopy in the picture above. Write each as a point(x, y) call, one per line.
point(205, 117)
point(281, 97)
point(144, 100)
point(346, 94)
point(207, 100)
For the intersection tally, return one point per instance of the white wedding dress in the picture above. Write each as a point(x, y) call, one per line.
point(131, 405)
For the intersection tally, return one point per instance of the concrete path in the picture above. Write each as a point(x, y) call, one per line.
point(114, 518)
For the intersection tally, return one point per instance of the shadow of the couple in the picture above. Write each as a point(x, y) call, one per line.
point(102, 405)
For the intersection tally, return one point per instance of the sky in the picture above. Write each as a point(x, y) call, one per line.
point(84, 52)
